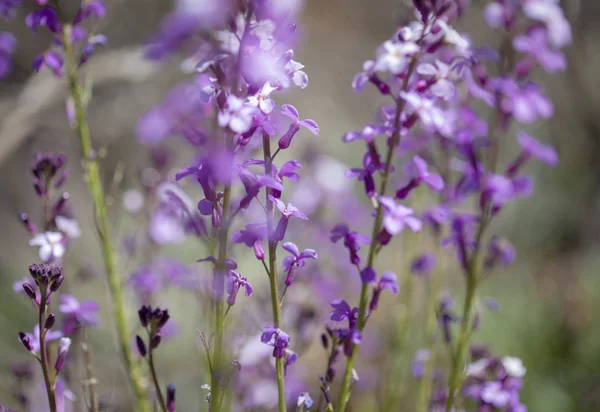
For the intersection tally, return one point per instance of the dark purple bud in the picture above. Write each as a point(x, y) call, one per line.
point(163, 318)
point(171, 398)
point(25, 341)
point(29, 290)
point(324, 340)
point(155, 341)
point(375, 299)
point(141, 345)
point(259, 251)
point(56, 284)
point(286, 139)
point(280, 229)
point(50, 321)
point(54, 273)
point(38, 186)
point(144, 314)
point(61, 179)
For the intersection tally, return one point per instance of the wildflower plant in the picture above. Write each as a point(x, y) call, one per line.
point(449, 106)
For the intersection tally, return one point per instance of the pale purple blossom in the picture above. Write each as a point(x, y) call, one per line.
point(296, 261)
point(291, 112)
point(51, 244)
point(397, 216)
point(237, 114)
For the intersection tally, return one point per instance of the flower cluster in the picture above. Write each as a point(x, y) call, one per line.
point(433, 77)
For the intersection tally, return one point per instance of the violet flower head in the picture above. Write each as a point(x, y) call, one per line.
point(388, 281)
point(423, 264)
point(352, 240)
point(277, 338)
point(425, 109)
point(418, 172)
point(551, 14)
point(532, 148)
point(234, 282)
point(500, 251)
point(290, 111)
point(439, 77)
point(296, 261)
point(33, 340)
point(50, 59)
point(397, 216)
point(286, 212)
point(252, 236)
point(78, 313)
point(8, 44)
point(534, 44)
point(44, 17)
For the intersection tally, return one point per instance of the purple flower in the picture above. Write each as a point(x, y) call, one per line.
point(389, 281)
point(352, 241)
point(286, 212)
point(290, 358)
point(369, 75)
point(439, 76)
point(7, 8)
point(91, 8)
point(494, 394)
point(535, 45)
point(341, 310)
point(44, 17)
point(252, 236)
point(8, 44)
point(417, 170)
point(85, 312)
point(237, 115)
point(532, 148)
point(422, 356)
point(499, 251)
point(290, 111)
point(296, 261)
point(525, 103)
point(51, 59)
point(370, 167)
point(423, 265)
point(396, 216)
point(234, 282)
point(277, 338)
point(34, 339)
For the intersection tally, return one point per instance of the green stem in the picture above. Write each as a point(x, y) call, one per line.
point(279, 367)
point(43, 356)
point(217, 364)
point(364, 293)
point(159, 395)
point(94, 184)
point(465, 329)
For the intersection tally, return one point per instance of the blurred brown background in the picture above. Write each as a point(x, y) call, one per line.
point(550, 300)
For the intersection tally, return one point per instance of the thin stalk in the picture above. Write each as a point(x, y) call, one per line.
point(223, 235)
point(159, 395)
point(364, 293)
point(91, 381)
point(44, 356)
point(465, 328)
point(94, 184)
point(273, 276)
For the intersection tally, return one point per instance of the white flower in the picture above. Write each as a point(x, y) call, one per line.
point(51, 245)
point(453, 37)
point(262, 100)
point(299, 77)
point(514, 366)
point(69, 227)
point(237, 115)
point(443, 86)
point(428, 112)
point(395, 56)
point(477, 368)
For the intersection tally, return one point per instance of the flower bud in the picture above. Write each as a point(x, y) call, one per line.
point(63, 349)
point(143, 314)
point(155, 341)
point(56, 284)
point(50, 321)
point(171, 398)
point(141, 345)
point(29, 290)
point(26, 341)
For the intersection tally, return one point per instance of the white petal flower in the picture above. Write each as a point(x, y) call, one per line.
point(51, 245)
point(514, 366)
point(69, 227)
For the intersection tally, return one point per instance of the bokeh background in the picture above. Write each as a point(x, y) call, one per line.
point(549, 301)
